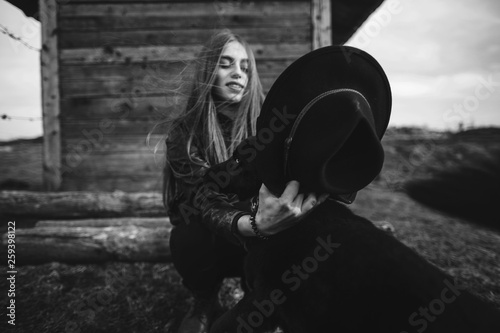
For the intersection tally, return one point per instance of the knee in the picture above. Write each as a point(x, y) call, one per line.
point(185, 238)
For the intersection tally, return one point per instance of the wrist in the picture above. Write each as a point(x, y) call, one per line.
point(255, 229)
point(253, 217)
point(244, 226)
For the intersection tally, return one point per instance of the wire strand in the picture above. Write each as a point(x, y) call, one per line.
point(7, 117)
point(6, 31)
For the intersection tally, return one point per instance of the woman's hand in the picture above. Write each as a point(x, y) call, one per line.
point(276, 214)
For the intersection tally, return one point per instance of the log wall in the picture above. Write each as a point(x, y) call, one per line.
point(119, 62)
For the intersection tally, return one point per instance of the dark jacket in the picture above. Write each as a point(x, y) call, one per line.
point(190, 200)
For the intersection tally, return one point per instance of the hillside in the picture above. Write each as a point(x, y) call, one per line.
point(21, 166)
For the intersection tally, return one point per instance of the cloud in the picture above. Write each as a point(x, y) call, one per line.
point(446, 87)
point(435, 53)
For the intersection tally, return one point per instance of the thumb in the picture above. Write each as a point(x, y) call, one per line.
point(264, 192)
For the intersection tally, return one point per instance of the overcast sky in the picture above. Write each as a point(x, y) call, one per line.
point(19, 75)
point(442, 58)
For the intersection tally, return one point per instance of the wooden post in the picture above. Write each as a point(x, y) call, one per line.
point(321, 23)
point(50, 96)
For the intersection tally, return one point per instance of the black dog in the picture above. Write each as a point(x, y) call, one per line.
point(336, 272)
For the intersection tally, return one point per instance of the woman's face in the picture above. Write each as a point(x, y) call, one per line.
point(232, 73)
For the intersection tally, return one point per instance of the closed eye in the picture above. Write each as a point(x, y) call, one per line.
point(225, 63)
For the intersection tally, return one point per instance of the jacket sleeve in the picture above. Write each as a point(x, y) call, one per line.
point(198, 200)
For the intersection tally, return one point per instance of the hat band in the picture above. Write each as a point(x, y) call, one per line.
point(304, 111)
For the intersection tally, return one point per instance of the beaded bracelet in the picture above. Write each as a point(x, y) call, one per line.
point(255, 208)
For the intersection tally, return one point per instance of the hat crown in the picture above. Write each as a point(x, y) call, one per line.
point(335, 104)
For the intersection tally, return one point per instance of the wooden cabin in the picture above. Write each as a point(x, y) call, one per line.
point(109, 69)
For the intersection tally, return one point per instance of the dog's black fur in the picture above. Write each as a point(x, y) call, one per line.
point(364, 281)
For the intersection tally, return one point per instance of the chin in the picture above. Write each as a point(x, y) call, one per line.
point(231, 98)
point(236, 99)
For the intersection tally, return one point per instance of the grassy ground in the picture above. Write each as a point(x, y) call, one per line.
point(140, 297)
point(462, 177)
point(465, 250)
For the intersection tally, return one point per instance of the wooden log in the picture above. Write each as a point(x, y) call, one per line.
point(70, 40)
point(122, 55)
point(104, 88)
point(185, 10)
point(143, 222)
point(121, 23)
point(142, 183)
point(131, 165)
point(103, 55)
point(162, 69)
point(81, 245)
point(63, 205)
point(116, 144)
point(217, 3)
point(79, 181)
point(99, 130)
point(150, 70)
point(124, 107)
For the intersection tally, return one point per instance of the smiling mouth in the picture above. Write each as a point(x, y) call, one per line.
point(236, 87)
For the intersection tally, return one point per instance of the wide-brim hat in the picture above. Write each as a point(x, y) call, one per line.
point(322, 121)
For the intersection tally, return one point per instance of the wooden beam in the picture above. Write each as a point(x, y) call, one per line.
point(180, 37)
point(80, 245)
point(50, 96)
point(139, 54)
point(144, 222)
point(124, 183)
point(167, 9)
point(321, 23)
point(60, 205)
point(170, 21)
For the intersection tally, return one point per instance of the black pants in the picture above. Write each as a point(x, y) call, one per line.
point(202, 259)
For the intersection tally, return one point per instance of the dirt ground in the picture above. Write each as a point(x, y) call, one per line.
point(143, 297)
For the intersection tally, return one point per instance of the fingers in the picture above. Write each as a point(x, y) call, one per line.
point(279, 213)
point(298, 203)
point(309, 202)
point(312, 200)
point(264, 191)
point(291, 191)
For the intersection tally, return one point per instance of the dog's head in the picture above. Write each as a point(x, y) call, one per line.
point(238, 174)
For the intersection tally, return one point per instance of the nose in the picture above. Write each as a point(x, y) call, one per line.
point(237, 72)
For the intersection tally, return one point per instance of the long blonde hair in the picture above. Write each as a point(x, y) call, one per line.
point(197, 125)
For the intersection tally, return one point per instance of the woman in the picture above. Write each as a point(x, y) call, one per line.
point(221, 111)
